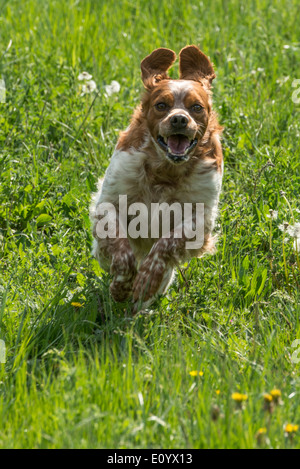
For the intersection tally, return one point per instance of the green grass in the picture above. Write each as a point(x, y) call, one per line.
point(95, 376)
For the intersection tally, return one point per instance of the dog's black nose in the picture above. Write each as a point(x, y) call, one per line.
point(179, 121)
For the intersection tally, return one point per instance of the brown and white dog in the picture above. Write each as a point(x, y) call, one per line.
point(170, 152)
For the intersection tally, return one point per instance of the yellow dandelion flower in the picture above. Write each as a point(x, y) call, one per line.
point(291, 428)
point(261, 435)
point(268, 397)
point(218, 392)
point(276, 394)
point(193, 373)
point(268, 403)
point(261, 431)
point(76, 305)
point(239, 397)
point(201, 373)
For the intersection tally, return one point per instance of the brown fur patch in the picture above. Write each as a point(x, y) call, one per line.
point(194, 65)
point(155, 66)
point(150, 176)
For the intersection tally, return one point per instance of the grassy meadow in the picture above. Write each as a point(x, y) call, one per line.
point(197, 370)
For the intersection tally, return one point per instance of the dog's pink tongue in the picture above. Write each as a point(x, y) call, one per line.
point(178, 144)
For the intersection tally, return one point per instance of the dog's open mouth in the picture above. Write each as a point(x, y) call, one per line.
point(177, 146)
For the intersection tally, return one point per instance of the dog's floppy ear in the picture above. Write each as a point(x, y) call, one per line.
point(194, 65)
point(155, 66)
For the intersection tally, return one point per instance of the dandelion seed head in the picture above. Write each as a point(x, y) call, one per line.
point(84, 76)
point(114, 87)
point(294, 230)
point(88, 87)
point(284, 226)
point(273, 214)
point(282, 80)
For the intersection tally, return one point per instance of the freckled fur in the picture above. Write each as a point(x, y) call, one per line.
point(139, 168)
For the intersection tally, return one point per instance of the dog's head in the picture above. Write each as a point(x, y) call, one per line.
point(177, 111)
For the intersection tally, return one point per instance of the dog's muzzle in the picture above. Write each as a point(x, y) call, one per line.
point(177, 147)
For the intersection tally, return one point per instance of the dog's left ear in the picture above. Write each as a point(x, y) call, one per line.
point(154, 67)
point(194, 65)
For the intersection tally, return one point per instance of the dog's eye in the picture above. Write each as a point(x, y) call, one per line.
point(197, 108)
point(161, 106)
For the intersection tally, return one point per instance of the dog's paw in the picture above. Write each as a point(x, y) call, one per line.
point(121, 289)
point(123, 269)
point(149, 278)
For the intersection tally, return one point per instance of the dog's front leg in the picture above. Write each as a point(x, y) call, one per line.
point(123, 270)
point(115, 255)
point(155, 272)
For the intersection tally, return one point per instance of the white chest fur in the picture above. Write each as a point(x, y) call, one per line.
point(126, 176)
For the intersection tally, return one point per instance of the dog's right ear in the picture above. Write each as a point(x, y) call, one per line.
point(194, 65)
point(154, 67)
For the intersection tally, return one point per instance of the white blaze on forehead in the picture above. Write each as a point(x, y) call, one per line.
point(180, 88)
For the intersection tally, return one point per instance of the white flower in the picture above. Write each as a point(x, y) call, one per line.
point(88, 87)
point(284, 226)
point(85, 76)
point(283, 80)
point(294, 230)
point(273, 214)
point(114, 87)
